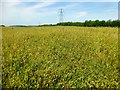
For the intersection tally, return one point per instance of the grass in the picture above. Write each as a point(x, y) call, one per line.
point(60, 57)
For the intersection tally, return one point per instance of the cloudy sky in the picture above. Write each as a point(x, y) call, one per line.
point(34, 12)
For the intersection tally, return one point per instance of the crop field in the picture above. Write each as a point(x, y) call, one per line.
point(60, 57)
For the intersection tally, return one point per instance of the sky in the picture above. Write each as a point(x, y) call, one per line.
point(34, 12)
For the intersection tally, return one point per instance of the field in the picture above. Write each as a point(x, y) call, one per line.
point(60, 57)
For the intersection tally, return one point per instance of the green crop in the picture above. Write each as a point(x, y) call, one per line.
point(60, 57)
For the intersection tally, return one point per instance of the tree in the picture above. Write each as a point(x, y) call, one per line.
point(2, 25)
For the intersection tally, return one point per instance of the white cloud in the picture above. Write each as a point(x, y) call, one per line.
point(11, 0)
point(42, 4)
point(81, 14)
point(60, 0)
point(76, 17)
point(13, 14)
point(91, 0)
point(16, 15)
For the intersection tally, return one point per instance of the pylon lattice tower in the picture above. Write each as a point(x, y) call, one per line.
point(61, 12)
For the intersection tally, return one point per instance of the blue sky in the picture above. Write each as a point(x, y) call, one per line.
point(34, 12)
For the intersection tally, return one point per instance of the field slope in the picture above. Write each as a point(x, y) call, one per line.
point(63, 57)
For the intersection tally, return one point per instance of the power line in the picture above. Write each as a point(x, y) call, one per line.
point(61, 15)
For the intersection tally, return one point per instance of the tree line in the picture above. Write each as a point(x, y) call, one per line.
point(90, 23)
point(87, 23)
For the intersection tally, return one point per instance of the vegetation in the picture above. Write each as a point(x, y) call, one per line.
point(60, 57)
point(87, 23)
point(90, 23)
point(2, 25)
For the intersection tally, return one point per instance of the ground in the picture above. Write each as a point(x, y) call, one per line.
point(62, 57)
